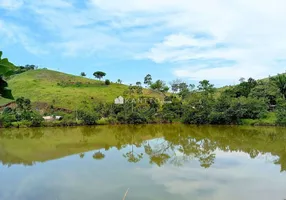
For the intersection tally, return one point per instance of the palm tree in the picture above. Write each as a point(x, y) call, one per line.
point(280, 81)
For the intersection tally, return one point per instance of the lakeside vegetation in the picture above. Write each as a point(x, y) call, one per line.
point(83, 101)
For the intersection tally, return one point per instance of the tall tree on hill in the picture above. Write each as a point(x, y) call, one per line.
point(205, 87)
point(160, 86)
point(119, 81)
point(148, 80)
point(83, 74)
point(4, 70)
point(99, 75)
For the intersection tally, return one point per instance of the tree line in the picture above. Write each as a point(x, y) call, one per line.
point(260, 102)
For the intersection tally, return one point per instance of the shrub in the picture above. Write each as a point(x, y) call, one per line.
point(102, 121)
point(136, 118)
point(218, 118)
point(106, 121)
point(196, 116)
point(87, 117)
point(36, 119)
point(107, 82)
point(281, 113)
point(7, 119)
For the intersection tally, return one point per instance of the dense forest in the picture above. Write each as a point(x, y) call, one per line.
point(253, 102)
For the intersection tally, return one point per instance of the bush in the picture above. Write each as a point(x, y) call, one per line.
point(196, 116)
point(88, 118)
point(246, 108)
point(281, 113)
point(36, 119)
point(7, 119)
point(120, 117)
point(218, 118)
point(102, 121)
point(168, 116)
point(281, 118)
point(136, 118)
point(107, 82)
point(106, 121)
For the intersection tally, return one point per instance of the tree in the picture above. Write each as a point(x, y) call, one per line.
point(119, 81)
point(175, 85)
point(98, 156)
point(159, 86)
point(107, 82)
point(280, 81)
point(281, 113)
point(83, 74)
point(244, 88)
point(266, 90)
point(5, 69)
point(148, 80)
point(99, 74)
point(241, 80)
point(181, 88)
point(205, 87)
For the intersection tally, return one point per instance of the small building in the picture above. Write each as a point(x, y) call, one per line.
point(119, 100)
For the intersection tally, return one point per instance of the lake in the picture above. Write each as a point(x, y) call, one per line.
point(156, 162)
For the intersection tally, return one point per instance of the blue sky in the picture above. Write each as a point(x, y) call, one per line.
point(217, 40)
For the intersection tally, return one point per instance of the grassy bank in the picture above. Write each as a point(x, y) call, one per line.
point(269, 120)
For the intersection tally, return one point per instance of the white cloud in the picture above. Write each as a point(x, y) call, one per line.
point(252, 33)
point(12, 34)
point(233, 176)
point(190, 35)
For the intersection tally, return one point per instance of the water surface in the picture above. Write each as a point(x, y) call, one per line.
point(157, 162)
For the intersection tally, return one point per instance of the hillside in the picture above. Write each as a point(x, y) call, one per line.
point(64, 90)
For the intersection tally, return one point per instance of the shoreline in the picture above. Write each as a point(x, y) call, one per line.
point(51, 125)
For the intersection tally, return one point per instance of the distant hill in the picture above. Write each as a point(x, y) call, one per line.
point(64, 90)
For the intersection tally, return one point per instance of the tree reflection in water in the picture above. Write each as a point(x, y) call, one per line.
point(160, 144)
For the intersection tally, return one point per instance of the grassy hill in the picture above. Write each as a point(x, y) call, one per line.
point(64, 90)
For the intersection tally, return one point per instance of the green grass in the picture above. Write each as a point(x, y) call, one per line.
point(269, 120)
point(64, 90)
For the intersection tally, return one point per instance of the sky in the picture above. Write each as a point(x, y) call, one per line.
point(217, 40)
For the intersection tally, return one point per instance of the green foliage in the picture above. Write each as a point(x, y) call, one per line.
point(250, 108)
point(181, 88)
point(99, 74)
point(148, 80)
point(173, 110)
point(205, 87)
point(281, 112)
point(83, 74)
point(23, 112)
point(266, 90)
point(198, 109)
point(280, 81)
point(89, 118)
point(216, 117)
point(4, 91)
point(106, 121)
point(243, 89)
point(5, 69)
point(136, 118)
point(160, 86)
point(51, 85)
point(133, 90)
point(107, 82)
